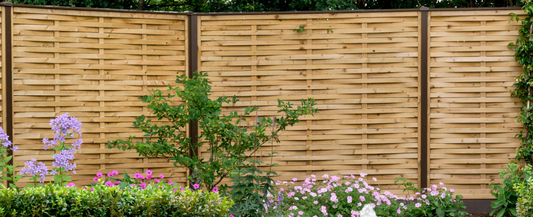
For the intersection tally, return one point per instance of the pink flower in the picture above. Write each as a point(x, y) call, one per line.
point(361, 198)
point(418, 205)
point(143, 185)
point(161, 176)
point(149, 172)
point(99, 175)
point(374, 179)
point(115, 172)
point(215, 189)
point(117, 182)
point(196, 186)
point(451, 190)
point(137, 175)
point(362, 174)
point(156, 180)
point(92, 189)
point(181, 188)
point(295, 179)
point(175, 189)
point(70, 185)
point(315, 202)
point(141, 176)
point(148, 176)
point(170, 182)
point(399, 211)
point(132, 185)
point(95, 179)
point(231, 215)
point(108, 183)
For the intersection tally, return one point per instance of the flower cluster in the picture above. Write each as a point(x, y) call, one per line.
point(62, 159)
point(34, 168)
point(352, 196)
point(64, 126)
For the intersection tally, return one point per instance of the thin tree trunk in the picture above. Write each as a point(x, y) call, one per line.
point(140, 5)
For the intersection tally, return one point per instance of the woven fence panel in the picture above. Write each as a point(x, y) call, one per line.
point(472, 126)
point(93, 65)
point(361, 68)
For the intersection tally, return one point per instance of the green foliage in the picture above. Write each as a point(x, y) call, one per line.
point(250, 186)
point(523, 48)
point(254, 5)
point(438, 206)
point(506, 195)
point(301, 29)
point(229, 139)
point(100, 200)
point(6, 169)
point(524, 206)
point(116, 4)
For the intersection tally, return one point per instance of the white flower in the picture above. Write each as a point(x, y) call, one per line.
point(368, 211)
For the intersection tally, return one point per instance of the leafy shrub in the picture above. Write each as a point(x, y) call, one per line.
point(506, 195)
point(524, 206)
point(156, 199)
point(347, 196)
point(230, 139)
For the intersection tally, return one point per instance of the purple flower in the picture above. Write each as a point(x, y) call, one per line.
point(62, 159)
point(137, 175)
point(215, 189)
point(149, 172)
point(196, 186)
point(53, 172)
point(4, 138)
point(143, 185)
point(99, 175)
point(64, 126)
point(33, 168)
point(15, 148)
point(95, 179)
point(148, 176)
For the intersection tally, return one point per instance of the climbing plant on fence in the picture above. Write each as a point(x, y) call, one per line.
point(523, 48)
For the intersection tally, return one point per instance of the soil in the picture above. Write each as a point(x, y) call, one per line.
point(478, 214)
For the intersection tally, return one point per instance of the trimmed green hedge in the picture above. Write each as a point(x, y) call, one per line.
point(101, 200)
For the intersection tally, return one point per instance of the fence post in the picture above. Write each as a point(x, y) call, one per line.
point(424, 105)
point(193, 66)
point(7, 73)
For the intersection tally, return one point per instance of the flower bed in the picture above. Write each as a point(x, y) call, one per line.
point(351, 196)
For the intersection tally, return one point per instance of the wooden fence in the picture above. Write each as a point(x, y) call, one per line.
point(367, 71)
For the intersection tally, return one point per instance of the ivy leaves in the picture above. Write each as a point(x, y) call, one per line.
point(523, 47)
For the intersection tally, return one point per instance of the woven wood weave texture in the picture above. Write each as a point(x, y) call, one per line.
point(472, 127)
point(361, 68)
point(93, 65)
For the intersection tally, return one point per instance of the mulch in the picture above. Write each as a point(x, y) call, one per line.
point(479, 214)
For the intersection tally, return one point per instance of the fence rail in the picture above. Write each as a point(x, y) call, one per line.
point(418, 93)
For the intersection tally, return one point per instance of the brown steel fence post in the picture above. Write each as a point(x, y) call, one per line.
point(424, 141)
point(193, 66)
point(7, 72)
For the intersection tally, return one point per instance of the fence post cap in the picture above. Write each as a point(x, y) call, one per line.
point(7, 4)
point(424, 8)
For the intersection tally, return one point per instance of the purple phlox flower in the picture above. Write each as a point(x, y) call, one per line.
point(33, 168)
point(64, 126)
point(53, 172)
point(4, 138)
point(62, 159)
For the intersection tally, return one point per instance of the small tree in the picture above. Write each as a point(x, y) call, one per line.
point(230, 139)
